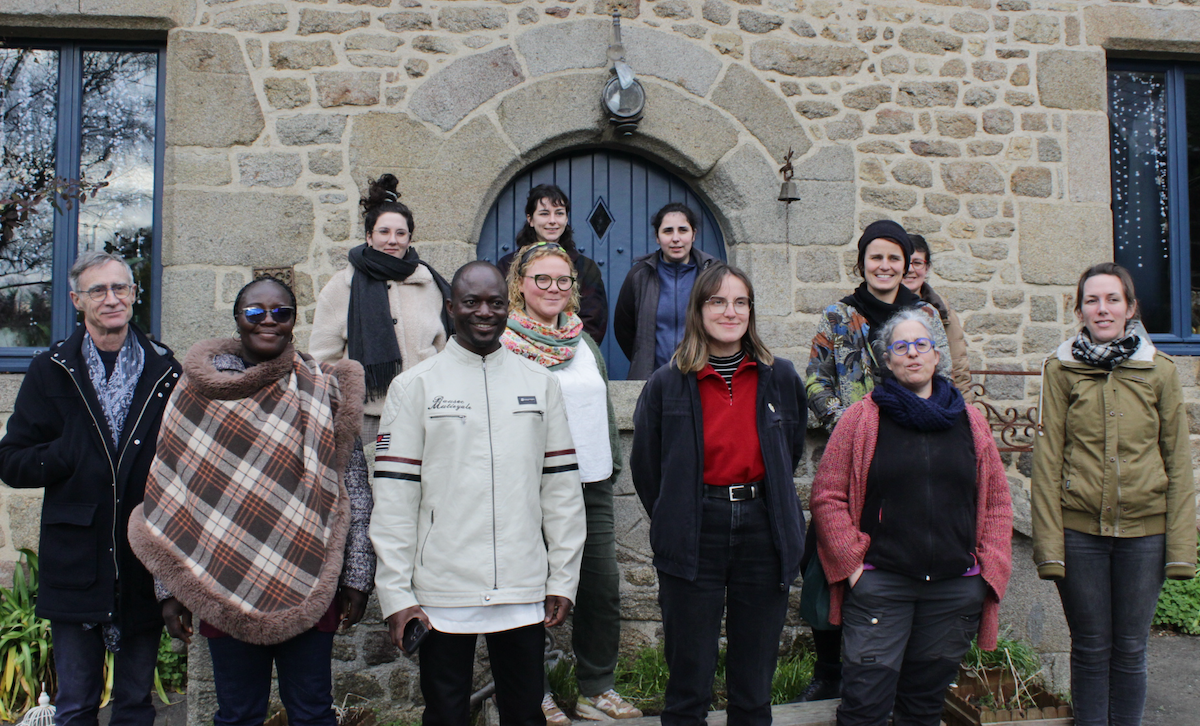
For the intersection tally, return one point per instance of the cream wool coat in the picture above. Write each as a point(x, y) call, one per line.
point(416, 306)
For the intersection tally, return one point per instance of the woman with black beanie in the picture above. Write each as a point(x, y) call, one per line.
point(845, 364)
point(386, 287)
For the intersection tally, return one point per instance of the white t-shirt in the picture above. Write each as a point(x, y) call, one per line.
point(485, 618)
point(586, 399)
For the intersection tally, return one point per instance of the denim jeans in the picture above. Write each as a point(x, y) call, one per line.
point(903, 639)
point(1109, 595)
point(516, 657)
point(79, 665)
point(242, 676)
point(739, 576)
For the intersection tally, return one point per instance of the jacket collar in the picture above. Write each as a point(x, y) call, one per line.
point(466, 357)
point(70, 349)
point(698, 257)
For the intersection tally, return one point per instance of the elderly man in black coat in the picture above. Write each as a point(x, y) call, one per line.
point(84, 428)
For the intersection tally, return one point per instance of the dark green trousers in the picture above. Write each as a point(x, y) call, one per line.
point(597, 611)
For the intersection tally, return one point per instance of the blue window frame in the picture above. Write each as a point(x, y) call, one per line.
point(1154, 123)
point(86, 111)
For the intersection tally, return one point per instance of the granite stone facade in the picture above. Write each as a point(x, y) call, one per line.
point(979, 123)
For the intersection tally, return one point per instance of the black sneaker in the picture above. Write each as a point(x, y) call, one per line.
point(821, 689)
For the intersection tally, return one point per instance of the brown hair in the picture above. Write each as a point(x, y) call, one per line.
point(520, 265)
point(1108, 268)
point(692, 354)
point(381, 198)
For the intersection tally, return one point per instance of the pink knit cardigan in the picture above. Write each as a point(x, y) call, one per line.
point(840, 489)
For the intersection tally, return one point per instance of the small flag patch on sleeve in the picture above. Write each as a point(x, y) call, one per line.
point(382, 441)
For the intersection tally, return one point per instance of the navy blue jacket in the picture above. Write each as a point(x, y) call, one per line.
point(667, 463)
point(58, 440)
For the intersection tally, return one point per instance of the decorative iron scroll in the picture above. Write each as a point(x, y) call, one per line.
point(1013, 425)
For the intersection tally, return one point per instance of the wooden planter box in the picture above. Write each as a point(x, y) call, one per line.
point(1049, 710)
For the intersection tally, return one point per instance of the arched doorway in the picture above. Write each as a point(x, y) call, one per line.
point(613, 195)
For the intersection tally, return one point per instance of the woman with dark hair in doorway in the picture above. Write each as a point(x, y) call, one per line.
point(652, 304)
point(547, 219)
point(717, 436)
point(385, 288)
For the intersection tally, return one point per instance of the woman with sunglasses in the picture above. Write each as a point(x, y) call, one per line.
point(718, 433)
point(845, 363)
point(544, 326)
point(385, 289)
point(914, 530)
point(547, 219)
point(257, 509)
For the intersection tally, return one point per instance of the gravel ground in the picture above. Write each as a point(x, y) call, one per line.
point(1173, 693)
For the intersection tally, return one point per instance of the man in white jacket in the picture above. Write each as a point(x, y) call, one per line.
point(478, 521)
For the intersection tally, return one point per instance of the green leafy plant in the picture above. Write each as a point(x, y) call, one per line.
point(171, 673)
point(25, 643)
point(1179, 605)
point(1017, 663)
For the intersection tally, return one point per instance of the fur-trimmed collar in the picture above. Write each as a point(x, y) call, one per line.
point(231, 385)
point(1144, 353)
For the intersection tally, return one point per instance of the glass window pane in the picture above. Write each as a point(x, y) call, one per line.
point(1138, 130)
point(28, 120)
point(1191, 84)
point(117, 147)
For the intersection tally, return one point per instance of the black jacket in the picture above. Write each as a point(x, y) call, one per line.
point(58, 440)
point(636, 316)
point(667, 463)
point(593, 300)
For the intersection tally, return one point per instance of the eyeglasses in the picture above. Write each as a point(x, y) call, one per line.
point(99, 293)
point(900, 347)
point(566, 282)
point(917, 264)
point(720, 304)
point(256, 314)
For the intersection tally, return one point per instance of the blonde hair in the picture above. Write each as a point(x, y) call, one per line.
point(521, 264)
point(692, 354)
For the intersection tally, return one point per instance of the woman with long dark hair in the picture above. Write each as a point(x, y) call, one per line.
point(1114, 501)
point(257, 510)
point(386, 309)
point(717, 436)
point(547, 219)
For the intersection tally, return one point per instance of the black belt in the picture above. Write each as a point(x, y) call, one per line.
point(734, 492)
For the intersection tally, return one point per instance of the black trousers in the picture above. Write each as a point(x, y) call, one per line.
point(903, 639)
point(739, 576)
point(447, 662)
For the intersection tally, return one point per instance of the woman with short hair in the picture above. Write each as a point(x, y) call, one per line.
point(257, 510)
point(544, 327)
point(717, 436)
point(915, 280)
point(914, 528)
point(386, 309)
point(1114, 501)
point(652, 305)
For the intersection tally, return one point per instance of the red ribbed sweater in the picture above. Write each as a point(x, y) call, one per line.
point(840, 488)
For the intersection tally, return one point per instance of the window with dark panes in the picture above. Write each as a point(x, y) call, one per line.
point(1154, 121)
point(89, 114)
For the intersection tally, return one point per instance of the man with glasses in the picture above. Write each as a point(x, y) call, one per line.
point(84, 429)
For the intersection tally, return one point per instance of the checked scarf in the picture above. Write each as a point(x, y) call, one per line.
point(547, 346)
point(245, 515)
point(1106, 355)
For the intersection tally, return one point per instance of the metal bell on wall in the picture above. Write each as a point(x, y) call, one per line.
point(789, 191)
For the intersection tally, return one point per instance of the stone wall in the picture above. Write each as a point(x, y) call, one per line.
point(978, 123)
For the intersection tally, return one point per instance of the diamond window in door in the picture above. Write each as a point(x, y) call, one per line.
point(600, 219)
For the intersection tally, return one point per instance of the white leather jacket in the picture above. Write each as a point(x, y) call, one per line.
point(477, 492)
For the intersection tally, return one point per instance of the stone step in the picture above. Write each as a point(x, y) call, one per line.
point(817, 713)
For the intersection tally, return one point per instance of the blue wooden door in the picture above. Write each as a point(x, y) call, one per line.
point(613, 196)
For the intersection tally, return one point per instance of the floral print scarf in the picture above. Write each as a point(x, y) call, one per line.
point(549, 347)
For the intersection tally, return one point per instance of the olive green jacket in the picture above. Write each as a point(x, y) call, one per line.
point(1112, 458)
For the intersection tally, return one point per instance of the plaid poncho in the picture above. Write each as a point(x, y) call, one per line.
point(245, 514)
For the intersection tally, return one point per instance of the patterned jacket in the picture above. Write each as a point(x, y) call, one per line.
point(841, 368)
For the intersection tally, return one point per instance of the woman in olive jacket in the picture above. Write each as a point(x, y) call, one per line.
point(1114, 507)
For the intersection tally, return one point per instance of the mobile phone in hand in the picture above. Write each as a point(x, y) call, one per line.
point(414, 634)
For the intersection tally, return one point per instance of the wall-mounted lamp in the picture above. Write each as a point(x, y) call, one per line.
point(623, 97)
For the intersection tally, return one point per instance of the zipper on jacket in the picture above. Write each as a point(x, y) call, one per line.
point(1117, 461)
point(111, 468)
point(487, 397)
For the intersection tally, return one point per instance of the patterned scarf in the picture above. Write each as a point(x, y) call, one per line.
point(1105, 355)
point(245, 515)
point(549, 347)
point(116, 391)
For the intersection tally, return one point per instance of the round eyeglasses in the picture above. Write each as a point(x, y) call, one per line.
point(900, 347)
point(543, 282)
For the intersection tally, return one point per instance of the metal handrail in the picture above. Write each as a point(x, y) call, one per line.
point(1011, 423)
